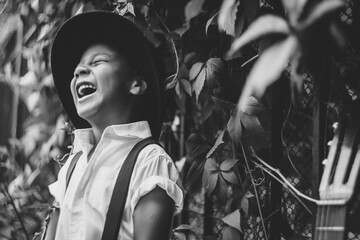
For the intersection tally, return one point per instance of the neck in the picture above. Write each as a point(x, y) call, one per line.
point(330, 222)
point(99, 125)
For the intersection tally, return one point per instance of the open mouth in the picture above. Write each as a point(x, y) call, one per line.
point(85, 89)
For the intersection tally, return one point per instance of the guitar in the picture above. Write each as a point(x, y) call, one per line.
point(339, 180)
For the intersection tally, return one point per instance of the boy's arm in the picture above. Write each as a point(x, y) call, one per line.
point(153, 216)
point(52, 225)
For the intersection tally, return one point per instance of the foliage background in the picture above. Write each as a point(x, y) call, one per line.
point(211, 52)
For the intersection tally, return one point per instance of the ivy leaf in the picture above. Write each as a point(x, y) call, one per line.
point(228, 164)
point(245, 202)
point(227, 16)
point(267, 24)
point(221, 190)
point(233, 220)
point(193, 8)
point(186, 86)
point(196, 147)
point(227, 170)
point(195, 70)
point(230, 233)
point(321, 10)
point(214, 67)
point(199, 83)
point(219, 141)
point(210, 175)
point(212, 166)
point(254, 106)
point(181, 86)
point(207, 72)
point(267, 69)
point(251, 123)
point(234, 127)
point(207, 107)
point(210, 21)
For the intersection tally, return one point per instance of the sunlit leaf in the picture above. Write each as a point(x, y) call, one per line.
point(321, 10)
point(245, 202)
point(199, 83)
point(219, 141)
point(267, 69)
point(267, 24)
point(227, 16)
point(210, 21)
point(193, 8)
point(228, 164)
point(294, 9)
point(233, 220)
point(195, 70)
point(230, 177)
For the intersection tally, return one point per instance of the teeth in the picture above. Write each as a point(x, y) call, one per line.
point(85, 89)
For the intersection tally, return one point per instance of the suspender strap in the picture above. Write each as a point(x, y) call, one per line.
point(72, 167)
point(118, 197)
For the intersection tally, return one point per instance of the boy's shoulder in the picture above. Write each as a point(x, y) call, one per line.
point(153, 152)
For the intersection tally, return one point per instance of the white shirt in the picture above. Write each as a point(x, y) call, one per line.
point(84, 206)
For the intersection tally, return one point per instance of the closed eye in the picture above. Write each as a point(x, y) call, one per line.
point(98, 61)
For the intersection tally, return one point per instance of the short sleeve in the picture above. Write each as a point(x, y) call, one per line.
point(156, 169)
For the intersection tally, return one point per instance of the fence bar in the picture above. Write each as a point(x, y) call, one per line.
point(278, 90)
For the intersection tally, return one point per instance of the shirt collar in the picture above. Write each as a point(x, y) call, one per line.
point(84, 138)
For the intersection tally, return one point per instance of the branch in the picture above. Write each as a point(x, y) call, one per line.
point(256, 194)
point(174, 49)
point(283, 180)
point(6, 193)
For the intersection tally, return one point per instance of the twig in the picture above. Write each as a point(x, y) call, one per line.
point(250, 60)
point(237, 172)
point(256, 194)
point(284, 180)
point(173, 46)
point(284, 143)
point(282, 183)
point(6, 3)
point(6, 193)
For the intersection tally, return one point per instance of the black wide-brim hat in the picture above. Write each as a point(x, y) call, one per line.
point(82, 30)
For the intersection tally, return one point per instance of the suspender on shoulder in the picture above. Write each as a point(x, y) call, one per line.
point(119, 194)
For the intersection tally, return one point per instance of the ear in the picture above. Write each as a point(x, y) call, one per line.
point(138, 86)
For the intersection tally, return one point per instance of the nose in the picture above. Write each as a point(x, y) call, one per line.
point(81, 71)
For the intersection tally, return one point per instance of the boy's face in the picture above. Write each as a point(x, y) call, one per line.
point(101, 83)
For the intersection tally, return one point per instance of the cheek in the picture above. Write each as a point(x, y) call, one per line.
point(72, 88)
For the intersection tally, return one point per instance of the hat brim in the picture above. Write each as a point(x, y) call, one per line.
point(82, 30)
